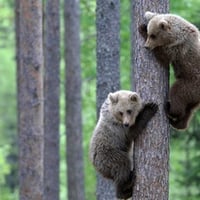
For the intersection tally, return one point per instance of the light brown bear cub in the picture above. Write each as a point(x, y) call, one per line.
point(176, 40)
point(122, 117)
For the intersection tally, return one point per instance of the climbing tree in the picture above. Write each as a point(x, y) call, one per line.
point(150, 80)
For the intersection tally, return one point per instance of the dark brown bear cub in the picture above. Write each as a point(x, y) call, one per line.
point(177, 41)
point(122, 117)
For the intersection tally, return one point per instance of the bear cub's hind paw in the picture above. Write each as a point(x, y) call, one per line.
point(125, 191)
point(172, 118)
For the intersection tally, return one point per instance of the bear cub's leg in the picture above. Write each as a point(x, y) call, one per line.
point(178, 122)
point(174, 119)
point(125, 190)
point(181, 105)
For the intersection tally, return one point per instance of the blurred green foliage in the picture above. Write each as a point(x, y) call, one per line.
point(184, 147)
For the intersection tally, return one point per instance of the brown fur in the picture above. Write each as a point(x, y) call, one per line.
point(177, 41)
point(122, 118)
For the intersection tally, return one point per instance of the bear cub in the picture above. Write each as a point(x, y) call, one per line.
point(177, 41)
point(122, 117)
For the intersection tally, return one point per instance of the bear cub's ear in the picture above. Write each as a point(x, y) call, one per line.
point(113, 98)
point(134, 97)
point(164, 25)
point(149, 15)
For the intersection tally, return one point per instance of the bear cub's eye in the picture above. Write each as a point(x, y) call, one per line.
point(129, 111)
point(153, 37)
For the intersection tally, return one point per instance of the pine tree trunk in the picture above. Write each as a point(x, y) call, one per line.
point(151, 151)
point(51, 97)
point(73, 101)
point(30, 100)
point(108, 75)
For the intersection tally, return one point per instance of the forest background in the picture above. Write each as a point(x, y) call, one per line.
point(184, 146)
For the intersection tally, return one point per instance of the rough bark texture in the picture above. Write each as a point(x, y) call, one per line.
point(73, 101)
point(151, 81)
point(108, 75)
point(30, 100)
point(51, 97)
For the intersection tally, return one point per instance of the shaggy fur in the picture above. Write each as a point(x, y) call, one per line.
point(122, 118)
point(177, 41)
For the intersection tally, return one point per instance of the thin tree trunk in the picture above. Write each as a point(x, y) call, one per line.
point(108, 75)
point(151, 152)
point(30, 99)
point(73, 101)
point(51, 96)
point(17, 50)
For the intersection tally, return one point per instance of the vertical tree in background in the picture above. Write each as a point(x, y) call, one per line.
point(151, 81)
point(17, 32)
point(73, 101)
point(30, 99)
point(108, 75)
point(51, 101)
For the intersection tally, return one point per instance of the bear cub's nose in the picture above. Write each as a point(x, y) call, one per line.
point(126, 125)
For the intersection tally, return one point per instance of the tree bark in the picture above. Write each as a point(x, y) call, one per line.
point(30, 100)
point(51, 96)
point(151, 151)
point(73, 101)
point(108, 75)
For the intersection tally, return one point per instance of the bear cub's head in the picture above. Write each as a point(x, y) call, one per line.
point(124, 106)
point(159, 31)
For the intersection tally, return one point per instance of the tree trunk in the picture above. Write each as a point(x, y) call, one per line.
point(73, 101)
point(51, 96)
point(151, 151)
point(30, 100)
point(108, 75)
point(17, 50)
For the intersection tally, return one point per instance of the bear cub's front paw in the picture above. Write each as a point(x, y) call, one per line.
point(143, 30)
point(150, 109)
